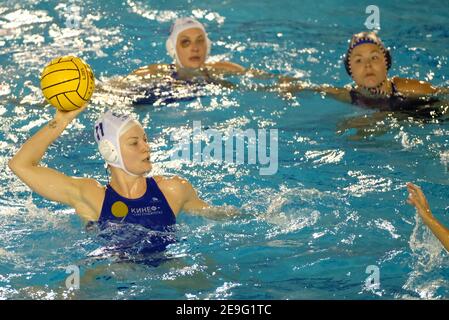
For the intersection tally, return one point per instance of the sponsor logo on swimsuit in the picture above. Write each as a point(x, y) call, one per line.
point(144, 211)
point(119, 209)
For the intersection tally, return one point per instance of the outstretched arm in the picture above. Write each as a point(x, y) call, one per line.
point(293, 86)
point(443, 90)
point(225, 68)
point(196, 206)
point(150, 71)
point(230, 68)
point(417, 199)
point(47, 182)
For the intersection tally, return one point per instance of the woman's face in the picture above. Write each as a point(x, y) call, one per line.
point(368, 65)
point(135, 150)
point(191, 48)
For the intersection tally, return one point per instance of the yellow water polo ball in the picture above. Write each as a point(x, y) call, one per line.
point(67, 83)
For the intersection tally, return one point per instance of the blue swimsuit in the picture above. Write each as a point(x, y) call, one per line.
point(173, 89)
point(151, 210)
point(164, 91)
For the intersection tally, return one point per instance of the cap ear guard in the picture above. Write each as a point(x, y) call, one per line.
point(107, 132)
point(209, 45)
point(346, 63)
point(170, 49)
point(108, 151)
point(388, 58)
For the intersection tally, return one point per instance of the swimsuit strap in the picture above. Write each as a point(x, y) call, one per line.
point(174, 73)
point(394, 90)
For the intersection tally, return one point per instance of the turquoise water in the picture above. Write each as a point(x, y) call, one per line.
point(335, 206)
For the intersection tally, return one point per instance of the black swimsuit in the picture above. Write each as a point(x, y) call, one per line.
point(395, 102)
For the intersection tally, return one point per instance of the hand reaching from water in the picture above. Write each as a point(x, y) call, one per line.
point(416, 198)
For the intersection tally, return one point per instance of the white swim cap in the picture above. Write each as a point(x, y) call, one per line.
point(108, 129)
point(179, 26)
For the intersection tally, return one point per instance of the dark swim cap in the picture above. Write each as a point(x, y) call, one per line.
point(366, 37)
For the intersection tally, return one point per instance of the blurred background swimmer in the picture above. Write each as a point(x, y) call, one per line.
point(190, 75)
point(189, 46)
point(367, 62)
point(418, 200)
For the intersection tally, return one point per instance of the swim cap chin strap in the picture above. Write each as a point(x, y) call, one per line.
point(377, 90)
point(108, 129)
point(179, 26)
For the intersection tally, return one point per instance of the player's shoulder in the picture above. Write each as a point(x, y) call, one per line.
point(172, 182)
point(152, 69)
point(413, 86)
point(227, 66)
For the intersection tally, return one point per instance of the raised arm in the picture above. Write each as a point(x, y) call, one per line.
point(418, 200)
point(47, 182)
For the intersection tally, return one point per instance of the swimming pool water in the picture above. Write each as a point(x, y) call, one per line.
point(335, 206)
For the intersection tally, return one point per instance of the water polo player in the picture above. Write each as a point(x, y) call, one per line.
point(189, 75)
point(367, 61)
point(131, 196)
point(189, 46)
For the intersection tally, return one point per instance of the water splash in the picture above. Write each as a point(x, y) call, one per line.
point(367, 183)
point(288, 213)
point(427, 258)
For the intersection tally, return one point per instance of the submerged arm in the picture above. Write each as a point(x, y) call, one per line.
point(196, 206)
point(215, 212)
